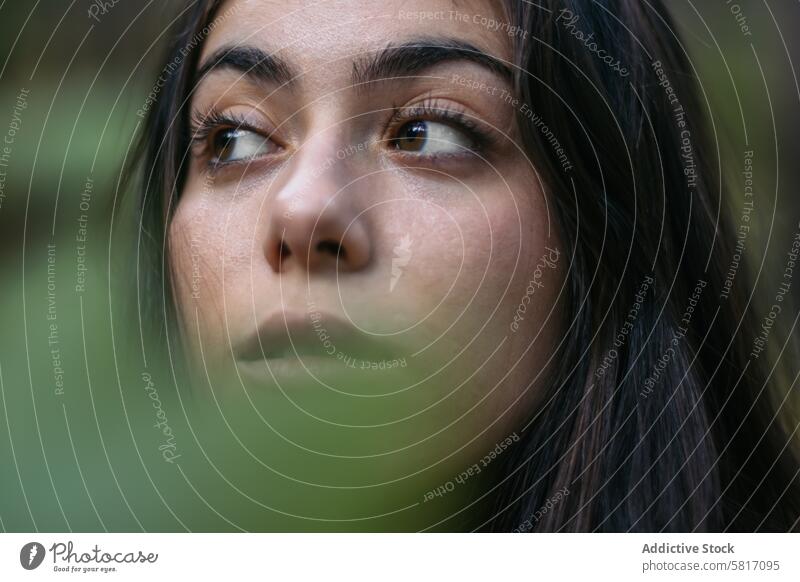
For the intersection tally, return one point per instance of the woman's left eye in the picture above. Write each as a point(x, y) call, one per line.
point(235, 144)
point(430, 138)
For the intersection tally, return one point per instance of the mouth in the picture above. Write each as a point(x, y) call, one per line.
point(296, 342)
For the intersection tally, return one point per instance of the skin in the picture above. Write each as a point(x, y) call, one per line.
point(243, 244)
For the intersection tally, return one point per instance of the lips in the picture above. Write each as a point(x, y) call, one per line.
point(311, 336)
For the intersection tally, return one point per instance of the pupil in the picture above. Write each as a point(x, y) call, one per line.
point(413, 136)
point(223, 142)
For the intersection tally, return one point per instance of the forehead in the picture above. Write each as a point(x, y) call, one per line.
point(309, 33)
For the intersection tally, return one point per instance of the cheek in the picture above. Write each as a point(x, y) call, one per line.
point(474, 255)
point(490, 276)
point(207, 237)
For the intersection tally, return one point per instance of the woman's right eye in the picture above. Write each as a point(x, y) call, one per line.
point(231, 144)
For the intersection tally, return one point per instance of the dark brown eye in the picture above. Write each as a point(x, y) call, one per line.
point(222, 142)
point(412, 136)
point(231, 144)
point(432, 138)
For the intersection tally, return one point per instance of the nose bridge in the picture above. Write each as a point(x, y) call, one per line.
point(315, 222)
point(314, 178)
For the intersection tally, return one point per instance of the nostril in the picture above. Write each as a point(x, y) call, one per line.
point(333, 248)
point(283, 250)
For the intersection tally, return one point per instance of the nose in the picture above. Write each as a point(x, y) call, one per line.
point(315, 224)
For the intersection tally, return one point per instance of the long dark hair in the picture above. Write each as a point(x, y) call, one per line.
point(659, 416)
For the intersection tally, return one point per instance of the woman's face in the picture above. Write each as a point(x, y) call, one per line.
point(361, 235)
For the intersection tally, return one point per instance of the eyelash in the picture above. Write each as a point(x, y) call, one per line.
point(204, 127)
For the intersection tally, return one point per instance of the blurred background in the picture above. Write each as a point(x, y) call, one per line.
point(72, 454)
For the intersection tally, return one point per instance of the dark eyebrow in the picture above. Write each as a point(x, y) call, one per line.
point(394, 61)
point(250, 61)
point(411, 58)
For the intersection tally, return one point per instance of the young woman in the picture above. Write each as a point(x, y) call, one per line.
point(480, 245)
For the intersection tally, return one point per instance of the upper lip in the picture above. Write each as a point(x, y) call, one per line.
point(286, 334)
